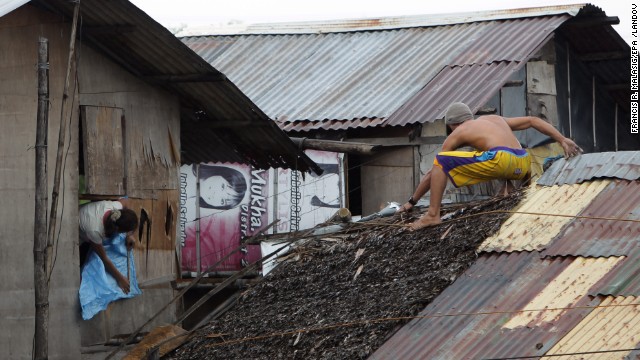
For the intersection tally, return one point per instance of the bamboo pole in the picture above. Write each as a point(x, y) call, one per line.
point(61, 135)
point(41, 285)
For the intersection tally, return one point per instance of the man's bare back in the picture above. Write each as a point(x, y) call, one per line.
point(484, 133)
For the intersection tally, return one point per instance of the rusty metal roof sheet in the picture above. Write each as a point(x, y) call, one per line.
point(467, 321)
point(390, 22)
point(614, 325)
point(329, 124)
point(619, 165)
point(469, 84)
point(535, 227)
point(624, 279)
point(602, 235)
point(542, 303)
point(346, 76)
point(215, 113)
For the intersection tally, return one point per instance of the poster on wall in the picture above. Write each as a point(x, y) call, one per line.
point(235, 201)
point(302, 203)
point(230, 204)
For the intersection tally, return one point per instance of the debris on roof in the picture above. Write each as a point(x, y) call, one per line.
point(341, 296)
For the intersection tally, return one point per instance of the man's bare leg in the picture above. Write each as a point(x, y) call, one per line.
point(506, 189)
point(438, 184)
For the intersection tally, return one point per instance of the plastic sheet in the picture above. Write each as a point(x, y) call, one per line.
point(98, 288)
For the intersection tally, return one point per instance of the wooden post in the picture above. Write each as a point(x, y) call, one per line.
point(40, 278)
point(61, 136)
point(335, 146)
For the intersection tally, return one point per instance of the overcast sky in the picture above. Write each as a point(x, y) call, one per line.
point(196, 13)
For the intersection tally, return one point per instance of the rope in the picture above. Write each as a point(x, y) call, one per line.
point(401, 318)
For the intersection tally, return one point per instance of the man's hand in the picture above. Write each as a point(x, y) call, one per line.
point(123, 283)
point(407, 207)
point(570, 148)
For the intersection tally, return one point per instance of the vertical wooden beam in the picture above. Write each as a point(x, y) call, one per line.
point(569, 89)
point(62, 134)
point(40, 278)
point(593, 109)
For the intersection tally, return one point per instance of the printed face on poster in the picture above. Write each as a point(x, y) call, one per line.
point(230, 203)
point(303, 203)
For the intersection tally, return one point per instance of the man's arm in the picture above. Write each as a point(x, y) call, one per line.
point(522, 123)
point(120, 279)
point(423, 187)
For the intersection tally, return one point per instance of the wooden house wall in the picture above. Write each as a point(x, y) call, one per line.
point(19, 34)
point(151, 155)
point(388, 176)
point(150, 151)
point(150, 132)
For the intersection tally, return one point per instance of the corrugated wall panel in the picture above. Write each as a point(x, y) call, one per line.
point(524, 232)
point(599, 237)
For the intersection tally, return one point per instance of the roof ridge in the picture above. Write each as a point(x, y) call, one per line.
point(387, 23)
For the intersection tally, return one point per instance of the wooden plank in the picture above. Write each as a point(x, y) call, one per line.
point(167, 338)
point(393, 157)
point(156, 235)
point(164, 217)
point(541, 78)
point(103, 150)
point(381, 184)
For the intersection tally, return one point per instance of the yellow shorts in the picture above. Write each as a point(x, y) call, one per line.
point(466, 168)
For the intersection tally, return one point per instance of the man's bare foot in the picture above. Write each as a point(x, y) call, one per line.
point(424, 221)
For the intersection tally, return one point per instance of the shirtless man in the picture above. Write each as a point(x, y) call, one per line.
point(499, 155)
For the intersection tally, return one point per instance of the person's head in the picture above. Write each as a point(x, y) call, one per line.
point(457, 113)
point(120, 221)
point(221, 187)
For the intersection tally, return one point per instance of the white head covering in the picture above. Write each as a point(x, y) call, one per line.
point(457, 113)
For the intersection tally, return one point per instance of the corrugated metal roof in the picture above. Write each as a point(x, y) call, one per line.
point(146, 49)
point(466, 320)
point(624, 279)
point(390, 22)
point(8, 6)
point(468, 84)
point(530, 303)
point(593, 237)
point(370, 74)
point(563, 292)
point(524, 232)
point(619, 165)
point(330, 124)
point(612, 326)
